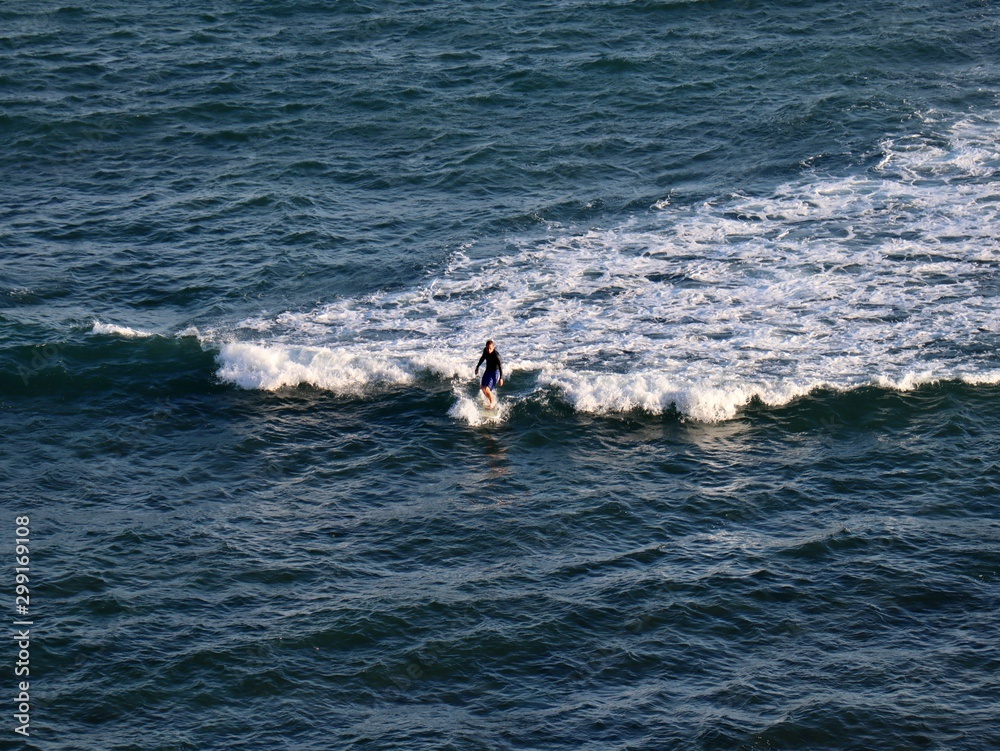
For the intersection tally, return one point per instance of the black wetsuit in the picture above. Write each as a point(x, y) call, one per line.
point(492, 364)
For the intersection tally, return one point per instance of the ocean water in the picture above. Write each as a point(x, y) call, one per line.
point(742, 263)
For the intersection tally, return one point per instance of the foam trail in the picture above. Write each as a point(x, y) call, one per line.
point(110, 329)
point(887, 277)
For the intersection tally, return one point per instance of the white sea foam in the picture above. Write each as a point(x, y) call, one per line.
point(471, 410)
point(272, 367)
point(111, 329)
point(888, 277)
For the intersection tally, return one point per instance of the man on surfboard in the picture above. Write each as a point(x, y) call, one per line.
point(493, 375)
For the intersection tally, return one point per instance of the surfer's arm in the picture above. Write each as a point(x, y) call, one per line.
point(480, 362)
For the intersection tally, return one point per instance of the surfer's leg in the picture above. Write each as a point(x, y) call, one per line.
point(488, 384)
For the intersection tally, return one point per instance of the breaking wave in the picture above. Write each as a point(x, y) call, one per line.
point(888, 277)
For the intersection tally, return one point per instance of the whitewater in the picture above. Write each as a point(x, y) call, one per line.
point(885, 277)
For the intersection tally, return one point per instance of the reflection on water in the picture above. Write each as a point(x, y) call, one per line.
point(497, 457)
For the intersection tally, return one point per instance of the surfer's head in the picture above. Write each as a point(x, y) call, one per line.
point(489, 345)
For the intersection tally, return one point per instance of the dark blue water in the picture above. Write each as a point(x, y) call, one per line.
point(742, 263)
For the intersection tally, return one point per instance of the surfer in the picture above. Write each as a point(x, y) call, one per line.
point(493, 375)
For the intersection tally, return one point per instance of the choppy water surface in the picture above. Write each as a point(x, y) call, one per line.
point(741, 261)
